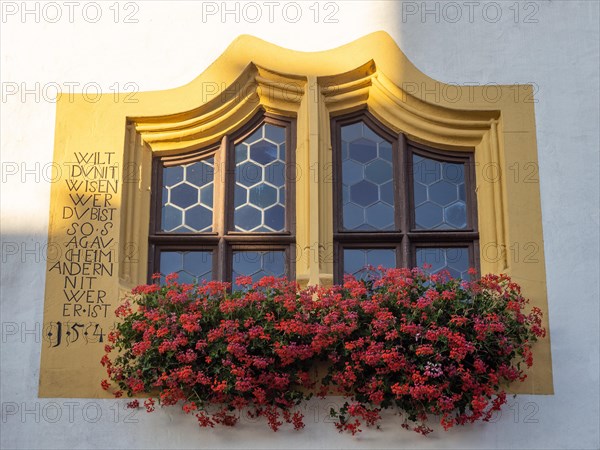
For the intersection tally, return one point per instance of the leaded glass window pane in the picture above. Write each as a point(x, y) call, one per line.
point(192, 266)
point(259, 194)
point(453, 259)
point(192, 204)
point(258, 264)
point(358, 260)
point(439, 194)
point(367, 180)
point(187, 197)
point(380, 204)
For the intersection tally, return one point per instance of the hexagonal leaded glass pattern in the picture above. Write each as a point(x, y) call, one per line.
point(258, 264)
point(192, 267)
point(358, 260)
point(453, 259)
point(187, 197)
point(259, 196)
point(439, 194)
point(367, 180)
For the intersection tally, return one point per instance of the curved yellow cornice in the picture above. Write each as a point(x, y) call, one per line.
point(370, 72)
point(377, 47)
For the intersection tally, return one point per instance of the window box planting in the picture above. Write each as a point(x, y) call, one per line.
point(404, 339)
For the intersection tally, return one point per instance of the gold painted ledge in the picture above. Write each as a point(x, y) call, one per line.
point(104, 148)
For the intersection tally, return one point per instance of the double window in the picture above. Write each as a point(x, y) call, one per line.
point(229, 210)
point(398, 203)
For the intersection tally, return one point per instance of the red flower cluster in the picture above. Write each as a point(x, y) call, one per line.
point(422, 344)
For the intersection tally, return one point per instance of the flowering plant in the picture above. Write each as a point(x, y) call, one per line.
point(424, 344)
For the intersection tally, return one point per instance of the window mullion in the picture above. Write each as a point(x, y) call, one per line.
point(222, 205)
point(221, 188)
point(405, 204)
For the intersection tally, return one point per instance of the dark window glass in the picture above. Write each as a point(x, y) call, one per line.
point(187, 197)
point(192, 266)
point(416, 201)
point(258, 264)
point(367, 179)
point(259, 195)
point(439, 194)
point(205, 226)
point(454, 259)
point(359, 261)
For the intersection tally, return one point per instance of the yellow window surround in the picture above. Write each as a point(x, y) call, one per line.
point(496, 122)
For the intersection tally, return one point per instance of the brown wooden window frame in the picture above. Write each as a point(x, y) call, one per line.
point(406, 238)
point(223, 241)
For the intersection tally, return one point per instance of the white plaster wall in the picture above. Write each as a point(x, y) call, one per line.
point(553, 44)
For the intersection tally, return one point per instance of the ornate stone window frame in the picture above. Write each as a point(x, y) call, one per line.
point(495, 122)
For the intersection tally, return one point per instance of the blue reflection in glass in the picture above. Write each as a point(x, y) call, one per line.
point(439, 194)
point(358, 260)
point(259, 175)
point(258, 264)
point(187, 197)
point(192, 266)
point(367, 180)
point(453, 259)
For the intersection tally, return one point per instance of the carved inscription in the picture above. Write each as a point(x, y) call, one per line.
point(89, 213)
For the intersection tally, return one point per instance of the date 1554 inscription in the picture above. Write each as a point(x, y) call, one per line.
point(88, 261)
